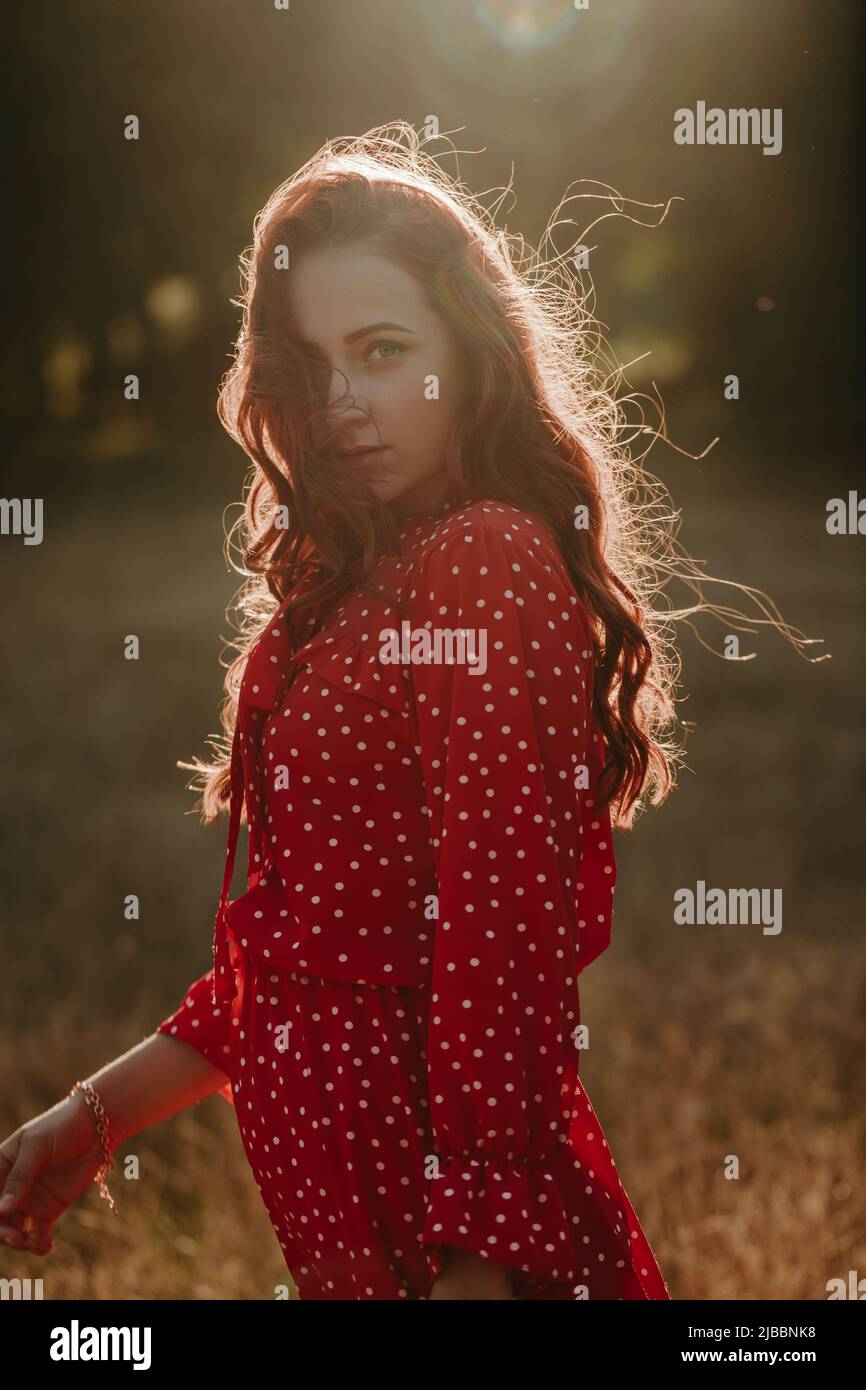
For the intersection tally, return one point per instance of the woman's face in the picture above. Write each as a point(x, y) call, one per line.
point(338, 297)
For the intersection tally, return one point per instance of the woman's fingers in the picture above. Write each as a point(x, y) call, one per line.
point(27, 1232)
point(38, 1240)
point(26, 1162)
point(38, 1245)
point(32, 1245)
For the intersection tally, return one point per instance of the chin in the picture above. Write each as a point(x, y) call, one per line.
point(392, 490)
point(422, 494)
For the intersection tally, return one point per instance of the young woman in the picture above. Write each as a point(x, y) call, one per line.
point(450, 685)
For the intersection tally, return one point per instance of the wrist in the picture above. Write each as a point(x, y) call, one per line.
point(95, 1119)
point(103, 1132)
point(82, 1121)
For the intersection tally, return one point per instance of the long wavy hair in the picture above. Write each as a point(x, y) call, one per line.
point(541, 429)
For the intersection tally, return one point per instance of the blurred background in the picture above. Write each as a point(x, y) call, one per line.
point(122, 256)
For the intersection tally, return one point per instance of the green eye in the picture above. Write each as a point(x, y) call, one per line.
point(386, 343)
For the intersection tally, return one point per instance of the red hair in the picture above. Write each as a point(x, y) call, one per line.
point(540, 430)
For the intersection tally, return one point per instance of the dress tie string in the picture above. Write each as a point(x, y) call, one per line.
point(224, 988)
point(269, 669)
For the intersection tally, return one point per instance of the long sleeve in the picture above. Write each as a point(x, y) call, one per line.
point(205, 1026)
point(505, 752)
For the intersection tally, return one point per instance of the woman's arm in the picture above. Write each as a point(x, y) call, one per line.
point(151, 1082)
point(206, 1027)
point(50, 1160)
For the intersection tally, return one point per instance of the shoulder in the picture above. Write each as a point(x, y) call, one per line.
point(494, 529)
point(493, 550)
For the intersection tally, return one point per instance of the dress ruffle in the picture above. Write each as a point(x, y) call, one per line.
point(512, 1213)
point(562, 1223)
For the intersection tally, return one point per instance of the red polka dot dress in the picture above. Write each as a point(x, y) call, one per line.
point(394, 998)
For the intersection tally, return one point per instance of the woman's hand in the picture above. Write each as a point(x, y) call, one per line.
point(44, 1166)
point(466, 1275)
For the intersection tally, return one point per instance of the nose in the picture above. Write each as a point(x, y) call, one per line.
point(339, 388)
point(343, 407)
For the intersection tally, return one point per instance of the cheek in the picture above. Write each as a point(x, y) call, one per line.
point(455, 383)
point(400, 404)
point(445, 409)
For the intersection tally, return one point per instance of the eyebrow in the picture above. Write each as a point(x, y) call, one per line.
point(370, 328)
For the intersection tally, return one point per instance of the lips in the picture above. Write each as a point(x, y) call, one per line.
point(359, 450)
point(362, 460)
